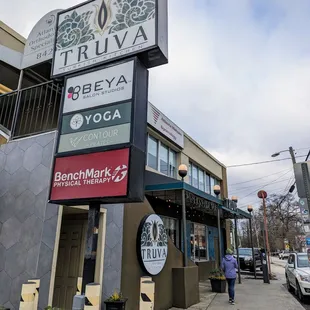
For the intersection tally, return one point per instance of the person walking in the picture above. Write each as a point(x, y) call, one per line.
point(229, 266)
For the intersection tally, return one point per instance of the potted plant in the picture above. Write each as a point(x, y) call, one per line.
point(116, 302)
point(218, 281)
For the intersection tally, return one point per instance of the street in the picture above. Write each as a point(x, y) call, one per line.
point(278, 267)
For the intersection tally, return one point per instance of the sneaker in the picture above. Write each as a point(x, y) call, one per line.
point(232, 302)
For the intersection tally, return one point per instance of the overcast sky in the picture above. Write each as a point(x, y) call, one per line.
point(237, 80)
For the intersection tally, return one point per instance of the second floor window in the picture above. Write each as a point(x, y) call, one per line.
point(160, 157)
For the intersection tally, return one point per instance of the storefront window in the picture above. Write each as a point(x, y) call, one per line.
point(190, 173)
point(152, 148)
point(212, 183)
point(208, 189)
point(172, 229)
point(195, 176)
point(201, 180)
point(163, 156)
point(199, 242)
point(172, 163)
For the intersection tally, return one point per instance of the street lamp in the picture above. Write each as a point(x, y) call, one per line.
point(263, 195)
point(235, 200)
point(183, 173)
point(250, 210)
point(217, 192)
point(290, 150)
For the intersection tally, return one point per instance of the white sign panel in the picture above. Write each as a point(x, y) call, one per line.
point(99, 87)
point(39, 46)
point(102, 30)
point(152, 244)
point(165, 126)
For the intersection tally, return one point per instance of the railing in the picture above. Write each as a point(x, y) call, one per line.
point(31, 110)
point(7, 109)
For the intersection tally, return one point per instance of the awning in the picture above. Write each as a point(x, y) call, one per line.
point(170, 189)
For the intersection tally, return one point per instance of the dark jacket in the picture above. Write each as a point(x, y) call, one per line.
point(229, 265)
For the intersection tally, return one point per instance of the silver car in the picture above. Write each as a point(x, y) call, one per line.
point(297, 273)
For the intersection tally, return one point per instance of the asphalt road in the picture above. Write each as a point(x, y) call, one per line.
point(281, 275)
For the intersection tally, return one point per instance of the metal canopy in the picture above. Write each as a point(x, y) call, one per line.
point(170, 189)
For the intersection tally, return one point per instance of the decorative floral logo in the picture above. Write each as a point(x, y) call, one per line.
point(80, 28)
point(131, 13)
point(74, 30)
point(154, 233)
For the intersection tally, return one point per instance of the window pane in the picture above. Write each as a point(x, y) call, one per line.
point(172, 163)
point(201, 180)
point(212, 183)
point(190, 173)
point(172, 229)
point(163, 157)
point(208, 189)
point(201, 242)
point(195, 176)
point(152, 146)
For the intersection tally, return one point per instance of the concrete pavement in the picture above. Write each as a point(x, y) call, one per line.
point(251, 294)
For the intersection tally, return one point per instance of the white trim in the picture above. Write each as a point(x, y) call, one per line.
point(11, 57)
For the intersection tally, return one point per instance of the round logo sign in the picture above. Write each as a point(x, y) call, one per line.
point(152, 244)
point(76, 121)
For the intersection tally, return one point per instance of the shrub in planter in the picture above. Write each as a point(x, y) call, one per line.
point(116, 302)
point(218, 281)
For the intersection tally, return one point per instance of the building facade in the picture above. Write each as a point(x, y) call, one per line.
point(39, 240)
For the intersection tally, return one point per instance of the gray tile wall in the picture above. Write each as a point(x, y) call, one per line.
point(28, 223)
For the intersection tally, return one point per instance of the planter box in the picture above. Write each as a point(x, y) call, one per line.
point(218, 286)
point(115, 305)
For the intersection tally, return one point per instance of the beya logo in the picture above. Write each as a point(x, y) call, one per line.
point(93, 89)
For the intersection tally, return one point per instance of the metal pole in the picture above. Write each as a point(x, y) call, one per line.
point(20, 80)
point(237, 249)
point(253, 255)
point(184, 227)
point(219, 233)
point(292, 155)
point(266, 232)
point(264, 265)
point(91, 245)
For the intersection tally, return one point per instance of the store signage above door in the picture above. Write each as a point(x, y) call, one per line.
point(165, 126)
point(97, 88)
point(152, 244)
point(101, 31)
point(39, 46)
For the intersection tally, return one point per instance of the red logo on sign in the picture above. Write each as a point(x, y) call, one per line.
point(93, 175)
point(156, 114)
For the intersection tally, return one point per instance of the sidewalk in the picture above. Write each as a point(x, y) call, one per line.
point(251, 294)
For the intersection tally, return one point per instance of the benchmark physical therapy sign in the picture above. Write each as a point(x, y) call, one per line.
point(152, 244)
point(100, 149)
point(101, 31)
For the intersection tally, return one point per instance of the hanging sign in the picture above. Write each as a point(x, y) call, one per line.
point(101, 31)
point(39, 46)
point(152, 244)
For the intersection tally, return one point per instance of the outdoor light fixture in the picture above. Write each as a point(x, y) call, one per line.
point(182, 171)
point(250, 209)
point(275, 154)
point(234, 199)
point(216, 190)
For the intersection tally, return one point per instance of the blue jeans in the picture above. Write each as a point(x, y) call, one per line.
point(231, 288)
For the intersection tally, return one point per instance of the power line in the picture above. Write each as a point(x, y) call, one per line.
point(263, 162)
point(266, 176)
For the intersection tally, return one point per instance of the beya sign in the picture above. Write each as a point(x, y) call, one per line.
point(98, 88)
point(102, 30)
point(97, 118)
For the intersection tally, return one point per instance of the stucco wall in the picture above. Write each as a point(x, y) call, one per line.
point(11, 39)
point(132, 271)
point(27, 221)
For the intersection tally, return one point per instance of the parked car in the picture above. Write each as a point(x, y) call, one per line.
point(297, 273)
point(246, 258)
point(284, 254)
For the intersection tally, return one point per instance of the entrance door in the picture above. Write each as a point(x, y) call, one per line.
point(216, 251)
point(69, 263)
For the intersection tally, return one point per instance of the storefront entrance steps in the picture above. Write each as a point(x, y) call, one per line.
point(206, 297)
